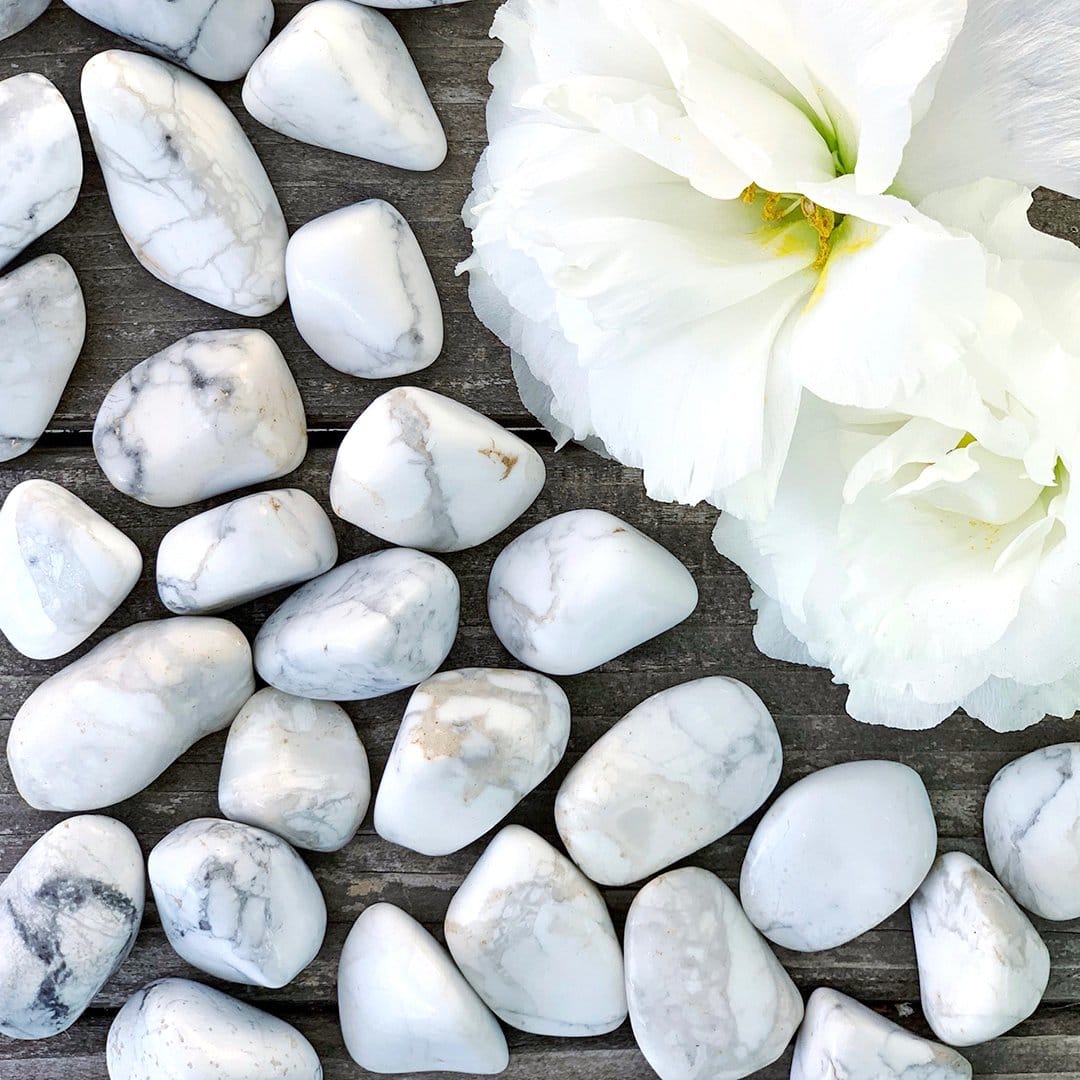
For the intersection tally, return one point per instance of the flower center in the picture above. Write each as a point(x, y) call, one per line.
point(776, 206)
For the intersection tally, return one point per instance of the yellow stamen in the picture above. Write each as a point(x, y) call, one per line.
point(967, 440)
point(749, 193)
point(820, 219)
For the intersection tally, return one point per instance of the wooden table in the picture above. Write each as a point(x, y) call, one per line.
point(131, 315)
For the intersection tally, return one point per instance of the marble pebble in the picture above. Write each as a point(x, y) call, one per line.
point(679, 771)
point(186, 187)
point(237, 902)
point(109, 724)
point(16, 15)
point(422, 470)
point(584, 587)
point(472, 744)
point(406, 1008)
point(340, 77)
point(213, 412)
point(532, 935)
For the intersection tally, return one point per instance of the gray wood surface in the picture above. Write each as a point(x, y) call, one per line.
point(132, 315)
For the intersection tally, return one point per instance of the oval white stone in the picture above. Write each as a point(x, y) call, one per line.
point(361, 292)
point(212, 412)
point(472, 745)
point(106, 726)
point(339, 76)
point(188, 190)
point(676, 773)
point(244, 549)
point(296, 768)
point(584, 587)
point(707, 997)
point(369, 627)
point(16, 15)
point(532, 935)
point(175, 1025)
point(405, 1007)
point(237, 902)
point(425, 471)
point(839, 851)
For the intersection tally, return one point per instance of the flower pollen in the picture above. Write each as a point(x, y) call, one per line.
point(777, 206)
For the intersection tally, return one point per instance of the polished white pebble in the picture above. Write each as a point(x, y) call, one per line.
point(213, 412)
point(425, 471)
point(109, 724)
point(405, 1007)
point(188, 191)
point(16, 15)
point(244, 549)
point(339, 76)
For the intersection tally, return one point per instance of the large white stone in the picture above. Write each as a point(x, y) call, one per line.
point(982, 966)
point(361, 292)
point(42, 329)
point(584, 587)
point(16, 15)
point(244, 549)
point(237, 902)
point(472, 745)
point(369, 627)
point(69, 913)
point(708, 999)
point(296, 768)
point(188, 190)
point(40, 161)
point(106, 726)
point(405, 1007)
point(532, 935)
point(339, 76)
point(676, 773)
point(180, 1030)
point(213, 412)
point(839, 851)
point(425, 471)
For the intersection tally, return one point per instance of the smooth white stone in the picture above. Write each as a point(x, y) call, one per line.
point(188, 190)
point(369, 627)
point(405, 1007)
point(708, 999)
point(472, 745)
point(237, 902)
point(66, 569)
point(839, 851)
point(982, 966)
point(532, 935)
point(422, 470)
point(69, 913)
point(16, 15)
point(679, 771)
point(339, 76)
point(245, 549)
point(213, 412)
point(40, 161)
point(217, 39)
point(361, 292)
point(106, 726)
point(42, 329)
point(841, 1038)
point(1032, 823)
point(296, 768)
point(584, 587)
point(180, 1030)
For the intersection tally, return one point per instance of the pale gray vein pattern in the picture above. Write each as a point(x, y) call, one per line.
point(16, 15)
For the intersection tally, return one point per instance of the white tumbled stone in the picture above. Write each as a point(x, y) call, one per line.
point(532, 935)
point(406, 1008)
point(422, 470)
point(109, 724)
point(212, 412)
point(186, 187)
point(339, 77)
point(584, 587)
point(708, 1000)
point(837, 853)
point(679, 771)
point(16, 15)
point(473, 743)
point(369, 627)
point(296, 768)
